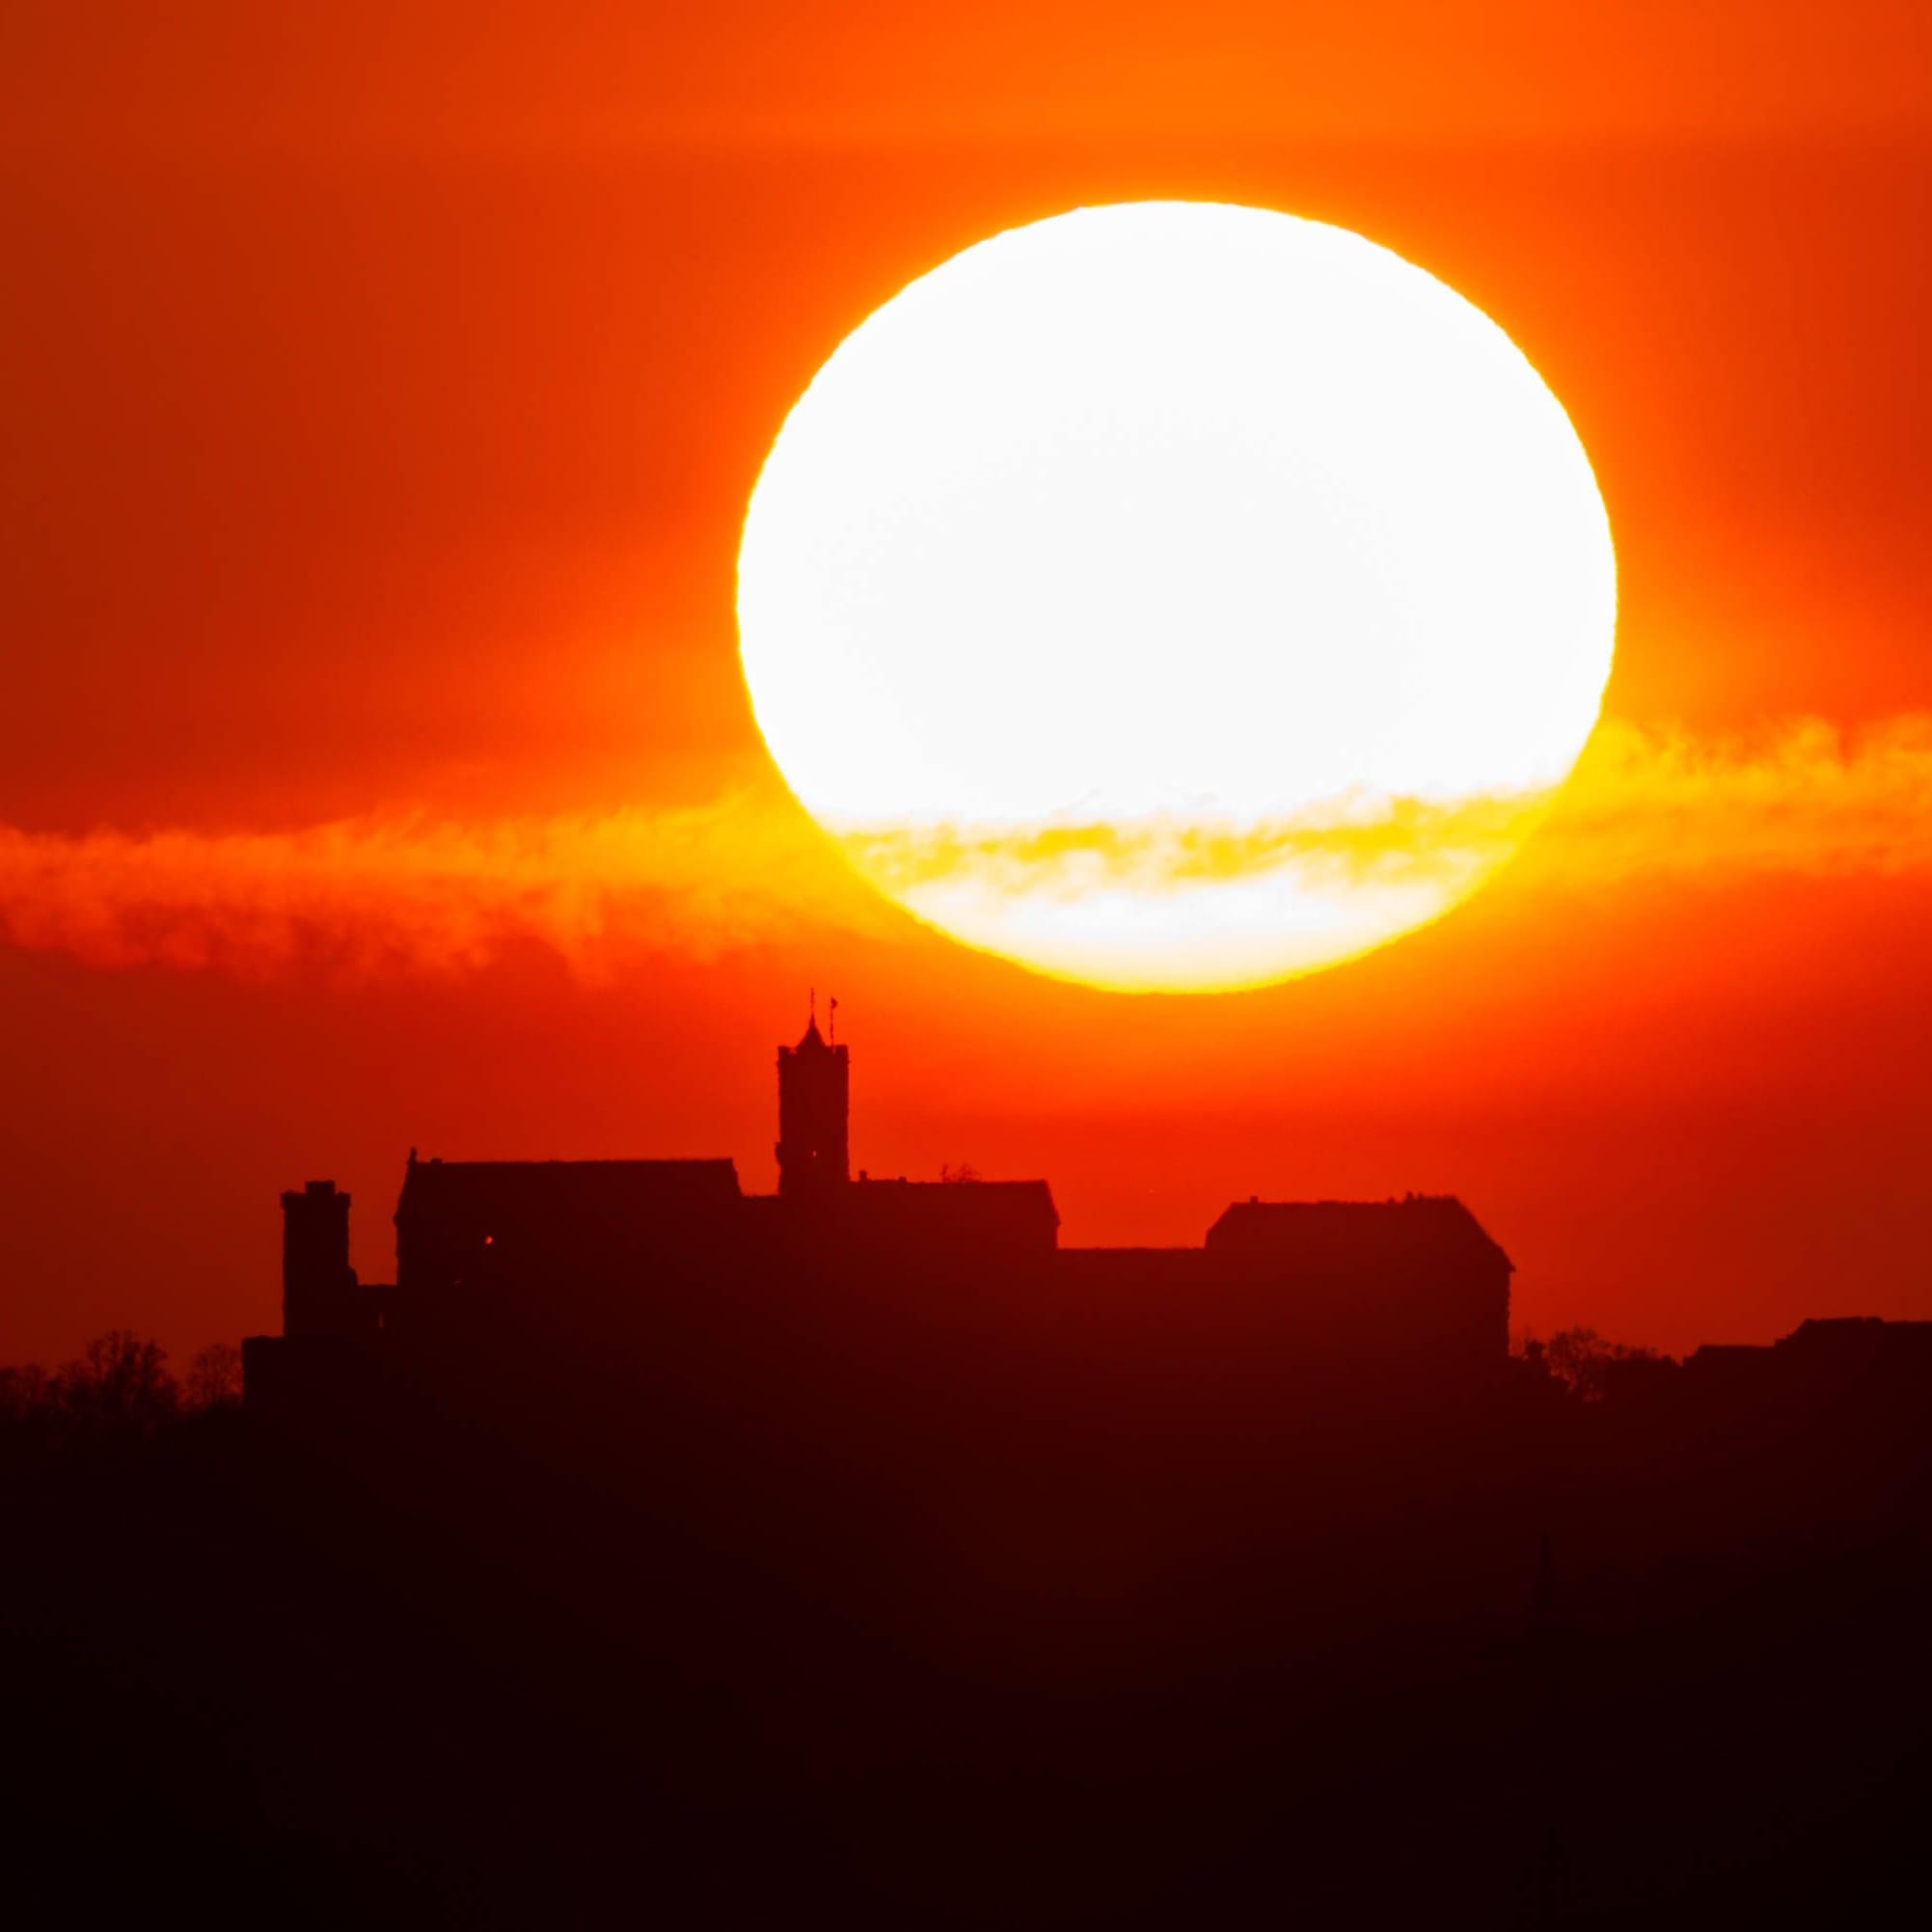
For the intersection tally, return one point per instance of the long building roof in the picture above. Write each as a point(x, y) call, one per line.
point(461, 1189)
point(1341, 1237)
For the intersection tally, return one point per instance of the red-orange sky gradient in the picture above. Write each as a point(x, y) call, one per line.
point(383, 388)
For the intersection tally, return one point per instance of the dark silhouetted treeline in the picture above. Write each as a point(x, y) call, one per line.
point(717, 1621)
point(119, 1389)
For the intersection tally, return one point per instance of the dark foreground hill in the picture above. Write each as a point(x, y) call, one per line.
point(943, 1644)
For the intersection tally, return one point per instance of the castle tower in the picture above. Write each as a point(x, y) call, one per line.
point(315, 1273)
point(814, 1102)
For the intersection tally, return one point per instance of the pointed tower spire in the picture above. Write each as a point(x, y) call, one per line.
point(814, 1108)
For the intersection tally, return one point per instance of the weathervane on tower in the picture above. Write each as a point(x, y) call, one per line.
point(814, 1105)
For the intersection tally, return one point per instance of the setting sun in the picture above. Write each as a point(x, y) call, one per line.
point(1175, 595)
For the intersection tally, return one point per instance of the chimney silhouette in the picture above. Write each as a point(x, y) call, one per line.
point(814, 1105)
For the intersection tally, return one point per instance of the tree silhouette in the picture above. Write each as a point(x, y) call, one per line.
point(1588, 1366)
point(120, 1381)
point(214, 1377)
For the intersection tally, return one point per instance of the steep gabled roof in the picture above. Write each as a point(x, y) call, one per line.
point(1334, 1237)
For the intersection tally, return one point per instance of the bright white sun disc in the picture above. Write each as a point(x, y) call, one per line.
point(1177, 595)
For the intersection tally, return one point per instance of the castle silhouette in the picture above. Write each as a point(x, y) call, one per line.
point(488, 1247)
point(860, 1548)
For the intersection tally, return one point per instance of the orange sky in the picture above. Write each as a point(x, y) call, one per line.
point(383, 389)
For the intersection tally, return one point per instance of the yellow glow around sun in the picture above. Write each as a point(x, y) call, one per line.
point(1176, 596)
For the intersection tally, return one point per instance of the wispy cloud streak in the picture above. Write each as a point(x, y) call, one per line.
point(413, 893)
point(376, 894)
point(1800, 796)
